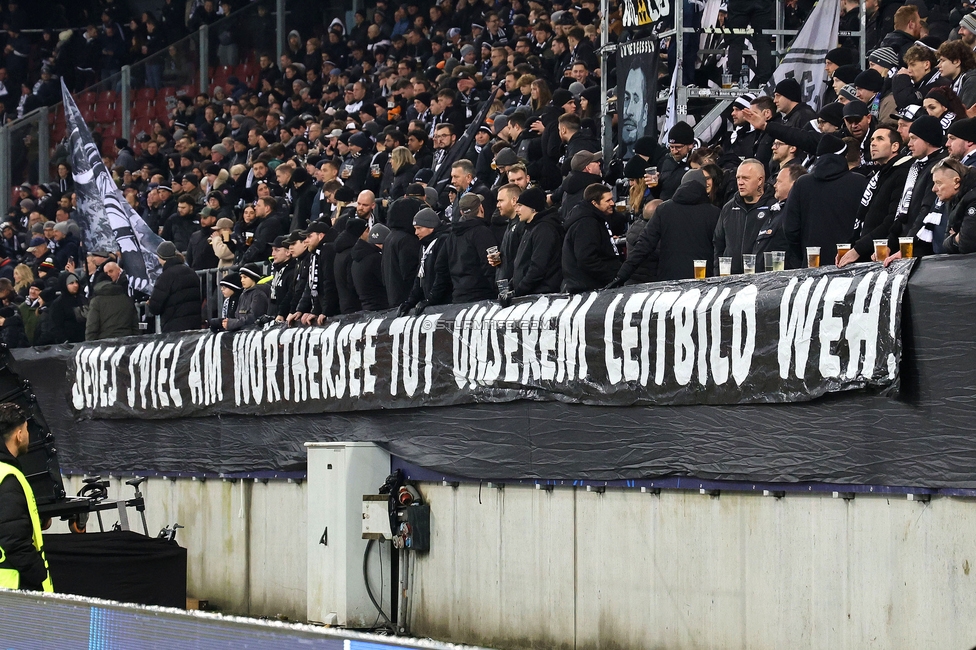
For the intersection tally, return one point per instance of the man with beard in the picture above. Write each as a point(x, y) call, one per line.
point(538, 263)
point(681, 140)
point(634, 109)
point(961, 141)
point(590, 260)
point(880, 199)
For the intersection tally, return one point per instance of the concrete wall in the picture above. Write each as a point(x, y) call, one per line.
point(244, 559)
point(526, 568)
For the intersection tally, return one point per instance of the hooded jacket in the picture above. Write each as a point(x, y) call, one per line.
point(367, 275)
point(683, 229)
point(348, 298)
point(737, 228)
point(538, 263)
point(252, 305)
point(401, 251)
point(200, 253)
point(176, 298)
point(64, 319)
point(13, 334)
point(589, 258)
point(821, 209)
point(111, 314)
point(462, 272)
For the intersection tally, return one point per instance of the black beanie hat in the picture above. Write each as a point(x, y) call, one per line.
point(681, 133)
point(645, 146)
point(847, 73)
point(635, 167)
point(840, 56)
point(790, 89)
point(929, 129)
point(534, 199)
point(964, 129)
point(356, 226)
point(833, 113)
point(869, 80)
point(830, 144)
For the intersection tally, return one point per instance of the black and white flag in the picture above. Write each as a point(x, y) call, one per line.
point(804, 61)
point(106, 220)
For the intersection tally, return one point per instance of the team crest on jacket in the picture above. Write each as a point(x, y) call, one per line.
point(971, 211)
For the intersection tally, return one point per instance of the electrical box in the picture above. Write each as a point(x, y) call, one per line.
point(376, 517)
point(339, 474)
point(413, 528)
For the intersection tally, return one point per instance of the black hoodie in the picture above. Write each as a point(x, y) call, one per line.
point(570, 192)
point(590, 260)
point(348, 298)
point(821, 209)
point(401, 250)
point(683, 228)
point(367, 275)
point(538, 263)
point(462, 271)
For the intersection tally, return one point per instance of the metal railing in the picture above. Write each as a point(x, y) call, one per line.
point(210, 279)
point(130, 101)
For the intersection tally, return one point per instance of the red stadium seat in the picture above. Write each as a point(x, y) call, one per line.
point(106, 97)
point(87, 98)
point(145, 95)
point(105, 113)
point(143, 109)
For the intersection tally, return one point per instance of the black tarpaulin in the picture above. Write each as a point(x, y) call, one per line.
point(922, 436)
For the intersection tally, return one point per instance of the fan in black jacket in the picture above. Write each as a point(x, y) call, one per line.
point(463, 273)
point(283, 270)
point(589, 258)
point(432, 233)
point(367, 268)
point(266, 227)
point(401, 250)
point(683, 228)
point(538, 263)
point(16, 527)
point(176, 298)
point(319, 299)
point(349, 302)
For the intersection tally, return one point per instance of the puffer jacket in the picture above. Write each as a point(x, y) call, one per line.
point(112, 313)
point(176, 298)
point(252, 305)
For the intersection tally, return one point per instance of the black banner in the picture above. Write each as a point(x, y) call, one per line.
point(773, 337)
point(636, 92)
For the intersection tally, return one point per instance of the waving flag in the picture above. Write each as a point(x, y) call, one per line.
point(107, 222)
point(804, 61)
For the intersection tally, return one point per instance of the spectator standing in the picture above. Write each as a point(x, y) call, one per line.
point(431, 232)
point(283, 270)
point(254, 301)
point(741, 218)
point(349, 302)
point(176, 298)
point(589, 259)
point(821, 208)
point(68, 313)
point(401, 250)
point(538, 262)
point(367, 268)
point(111, 314)
point(463, 273)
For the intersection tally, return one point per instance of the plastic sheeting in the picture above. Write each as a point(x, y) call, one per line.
point(920, 437)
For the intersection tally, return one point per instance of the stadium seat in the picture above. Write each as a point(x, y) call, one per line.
point(143, 109)
point(146, 95)
point(105, 113)
point(87, 99)
point(106, 97)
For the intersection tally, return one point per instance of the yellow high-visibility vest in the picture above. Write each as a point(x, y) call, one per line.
point(10, 578)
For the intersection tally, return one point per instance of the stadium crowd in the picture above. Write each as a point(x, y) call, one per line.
point(374, 167)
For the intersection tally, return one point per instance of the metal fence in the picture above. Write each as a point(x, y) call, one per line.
point(138, 97)
point(210, 279)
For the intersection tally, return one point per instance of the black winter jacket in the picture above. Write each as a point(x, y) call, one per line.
point(64, 320)
point(430, 247)
point(647, 270)
point(821, 209)
point(737, 228)
point(112, 313)
point(199, 253)
point(17, 531)
point(879, 205)
point(961, 220)
point(179, 229)
point(265, 230)
point(590, 260)
point(570, 192)
point(13, 335)
point(538, 263)
point(771, 236)
point(670, 174)
point(401, 251)
point(252, 305)
point(282, 287)
point(176, 298)
point(367, 275)
point(682, 229)
point(508, 248)
point(921, 204)
point(463, 273)
point(319, 293)
point(68, 249)
point(349, 302)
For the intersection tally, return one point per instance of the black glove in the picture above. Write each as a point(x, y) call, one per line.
point(505, 299)
point(616, 283)
point(419, 309)
point(403, 309)
point(216, 324)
